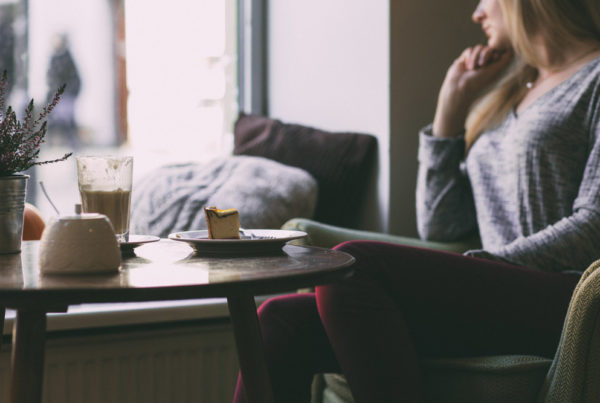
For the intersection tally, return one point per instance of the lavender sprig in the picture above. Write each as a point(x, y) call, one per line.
point(20, 142)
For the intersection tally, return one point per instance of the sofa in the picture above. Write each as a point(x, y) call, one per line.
point(571, 377)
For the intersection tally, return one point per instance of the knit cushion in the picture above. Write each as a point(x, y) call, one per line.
point(341, 163)
point(266, 194)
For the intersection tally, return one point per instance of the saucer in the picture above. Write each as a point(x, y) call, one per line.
point(137, 240)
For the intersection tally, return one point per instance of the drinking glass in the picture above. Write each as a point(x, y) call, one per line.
point(105, 188)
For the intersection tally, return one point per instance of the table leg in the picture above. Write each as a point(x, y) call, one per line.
point(27, 368)
point(250, 349)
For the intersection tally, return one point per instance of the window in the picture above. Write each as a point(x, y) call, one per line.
point(154, 79)
point(182, 81)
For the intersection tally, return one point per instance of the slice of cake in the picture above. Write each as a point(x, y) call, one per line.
point(222, 224)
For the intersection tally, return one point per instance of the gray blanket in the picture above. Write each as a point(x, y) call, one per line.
point(266, 194)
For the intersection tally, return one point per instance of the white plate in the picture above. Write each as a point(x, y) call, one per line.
point(262, 241)
point(135, 241)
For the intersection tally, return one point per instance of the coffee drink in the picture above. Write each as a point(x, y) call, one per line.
point(114, 204)
point(105, 188)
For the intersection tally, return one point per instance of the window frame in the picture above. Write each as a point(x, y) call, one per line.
point(252, 50)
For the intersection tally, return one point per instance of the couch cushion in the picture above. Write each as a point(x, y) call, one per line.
point(340, 162)
point(510, 378)
point(266, 194)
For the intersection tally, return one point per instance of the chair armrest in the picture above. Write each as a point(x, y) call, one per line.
point(327, 236)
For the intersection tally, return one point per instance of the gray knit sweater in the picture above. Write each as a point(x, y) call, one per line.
point(531, 186)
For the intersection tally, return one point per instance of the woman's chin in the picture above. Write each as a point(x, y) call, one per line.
point(499, 45)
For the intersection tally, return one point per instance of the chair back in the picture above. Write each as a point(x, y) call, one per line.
point(575, 370)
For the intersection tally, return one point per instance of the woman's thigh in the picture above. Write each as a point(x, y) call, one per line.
point(453, 305)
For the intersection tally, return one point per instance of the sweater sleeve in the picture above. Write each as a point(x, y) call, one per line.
point(573, 242)
point(445, 206)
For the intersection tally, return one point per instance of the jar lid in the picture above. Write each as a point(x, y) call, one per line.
point(81, 216)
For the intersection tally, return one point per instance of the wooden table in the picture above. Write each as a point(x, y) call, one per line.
point(165, 270)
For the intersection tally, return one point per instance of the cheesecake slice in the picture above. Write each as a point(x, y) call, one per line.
point(222, 224)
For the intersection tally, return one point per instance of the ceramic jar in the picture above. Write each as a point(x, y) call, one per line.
point(81, 243)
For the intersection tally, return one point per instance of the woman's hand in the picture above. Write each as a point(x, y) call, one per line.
point(474, 70)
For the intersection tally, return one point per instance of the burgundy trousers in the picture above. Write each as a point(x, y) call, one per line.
point(403, 304)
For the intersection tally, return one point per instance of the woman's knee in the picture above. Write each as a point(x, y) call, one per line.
point(373, 259)
point(382, 270)
point(284, 305)
point(365, 251)
point(275, 310)
point(284, 314)
point(352, 247)
point(270, 308)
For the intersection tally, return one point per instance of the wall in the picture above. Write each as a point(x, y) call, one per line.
point(426, 36)
point(328, 67)
point(371, 66)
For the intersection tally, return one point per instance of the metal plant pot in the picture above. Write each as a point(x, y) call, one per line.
point(12, 208)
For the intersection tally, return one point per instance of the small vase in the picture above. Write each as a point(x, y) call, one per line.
point(12, 207)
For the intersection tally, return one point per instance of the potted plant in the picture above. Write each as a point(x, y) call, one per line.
point(20, 143)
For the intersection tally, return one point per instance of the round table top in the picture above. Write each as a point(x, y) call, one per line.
point(167, 270)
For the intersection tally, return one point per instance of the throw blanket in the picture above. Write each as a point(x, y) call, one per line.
point(266, 194)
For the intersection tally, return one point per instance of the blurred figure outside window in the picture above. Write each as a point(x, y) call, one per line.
point(7, 47)
point(62, 127)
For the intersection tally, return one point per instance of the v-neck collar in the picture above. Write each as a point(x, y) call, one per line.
point(552, 90)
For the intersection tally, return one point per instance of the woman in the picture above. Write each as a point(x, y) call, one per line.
point(525, 174)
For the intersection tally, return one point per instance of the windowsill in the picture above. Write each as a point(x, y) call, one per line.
point(88, 316)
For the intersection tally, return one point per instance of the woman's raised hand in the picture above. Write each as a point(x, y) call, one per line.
point(474, 70)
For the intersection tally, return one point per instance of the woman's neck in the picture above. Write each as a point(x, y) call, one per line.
point(568, 61)
point(556, 70)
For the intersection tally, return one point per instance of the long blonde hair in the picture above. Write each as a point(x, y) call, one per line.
point(560, 22)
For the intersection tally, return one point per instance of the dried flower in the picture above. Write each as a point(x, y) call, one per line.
point(20, 141)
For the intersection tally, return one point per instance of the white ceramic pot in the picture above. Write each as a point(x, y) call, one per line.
point(82, 243)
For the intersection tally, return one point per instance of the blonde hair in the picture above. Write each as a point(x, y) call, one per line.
point(560, 22)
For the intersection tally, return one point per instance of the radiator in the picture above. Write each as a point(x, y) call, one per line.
point(172, 365)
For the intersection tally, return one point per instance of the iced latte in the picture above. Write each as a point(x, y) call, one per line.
point(105, 188)
point(114, 204)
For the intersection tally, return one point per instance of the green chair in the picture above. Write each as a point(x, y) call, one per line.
point(572, 377)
